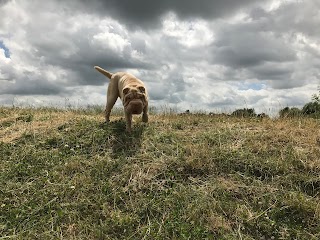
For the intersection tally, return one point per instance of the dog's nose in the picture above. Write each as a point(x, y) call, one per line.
point(134, 93)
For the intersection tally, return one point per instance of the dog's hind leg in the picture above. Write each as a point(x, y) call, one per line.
point(107, 111)
point(112, 96)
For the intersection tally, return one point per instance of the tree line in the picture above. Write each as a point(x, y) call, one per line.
point(310, 109)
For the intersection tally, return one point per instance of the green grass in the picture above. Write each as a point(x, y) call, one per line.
point(67, 175)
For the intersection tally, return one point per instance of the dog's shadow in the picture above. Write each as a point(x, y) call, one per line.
point(124, 144)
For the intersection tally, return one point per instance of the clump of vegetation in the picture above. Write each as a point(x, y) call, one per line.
point(311, 109)
point(290, 112)
point(245, 112)
point(67, 175)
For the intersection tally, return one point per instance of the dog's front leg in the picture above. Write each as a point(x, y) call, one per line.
point(128, 121)
point(107, 115)
point(145, 114)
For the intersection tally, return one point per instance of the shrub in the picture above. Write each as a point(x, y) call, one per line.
point(311, 108)
point(290, 112)
point(245, 112)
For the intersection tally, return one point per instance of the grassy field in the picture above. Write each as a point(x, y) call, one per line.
point(67, 175)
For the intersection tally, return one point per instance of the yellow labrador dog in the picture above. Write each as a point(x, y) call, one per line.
point(131, 91)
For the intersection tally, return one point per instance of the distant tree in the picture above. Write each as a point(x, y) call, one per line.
point(316, 97)
point(290, 112)
point(312, 108)
point(245, 112)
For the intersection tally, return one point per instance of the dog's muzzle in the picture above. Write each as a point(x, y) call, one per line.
point(135, 106)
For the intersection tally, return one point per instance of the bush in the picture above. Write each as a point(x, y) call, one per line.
point(245, 112)
point(290, 112)
point(311, 108)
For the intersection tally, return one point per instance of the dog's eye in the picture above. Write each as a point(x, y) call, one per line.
point(125, 91)
point(142, 89)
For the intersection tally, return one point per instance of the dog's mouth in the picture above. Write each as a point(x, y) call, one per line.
point(134, 98)
point(136, 111)
point(135, 106)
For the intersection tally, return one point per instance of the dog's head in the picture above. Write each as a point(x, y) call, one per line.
point(134, 99)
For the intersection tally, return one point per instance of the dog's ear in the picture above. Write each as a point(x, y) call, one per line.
point(142, 89)
point(125, 91)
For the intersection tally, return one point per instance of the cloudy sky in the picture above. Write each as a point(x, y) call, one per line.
point(212, 55)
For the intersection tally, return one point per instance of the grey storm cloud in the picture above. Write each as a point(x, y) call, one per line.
point(2, 2)
point(35, 87)
point(85, 55)
point(245, 49)
point(272, 71)
point(145, 13)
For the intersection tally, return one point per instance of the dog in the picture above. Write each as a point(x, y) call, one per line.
point(132, 93)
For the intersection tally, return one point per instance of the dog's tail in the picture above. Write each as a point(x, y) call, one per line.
point(104, 72)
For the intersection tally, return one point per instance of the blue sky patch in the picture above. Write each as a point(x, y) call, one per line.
point(6, 50)
point(253, 86)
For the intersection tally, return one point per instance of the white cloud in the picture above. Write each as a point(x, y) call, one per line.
point(111, 36)
point(112, 41)
point(193, 33)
